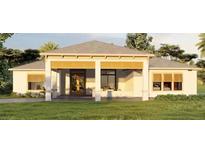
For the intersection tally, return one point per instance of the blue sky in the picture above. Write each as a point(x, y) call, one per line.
point(186, 41)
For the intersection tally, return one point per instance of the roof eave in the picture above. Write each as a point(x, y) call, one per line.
point(90, 54)
point(26, 69)
point(174, 68)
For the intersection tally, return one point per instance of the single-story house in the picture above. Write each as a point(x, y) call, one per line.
point(98, 69)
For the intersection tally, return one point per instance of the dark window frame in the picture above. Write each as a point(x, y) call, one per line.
point(157, 89)
point(107, 74)
point(171, 88)
point(179, 86)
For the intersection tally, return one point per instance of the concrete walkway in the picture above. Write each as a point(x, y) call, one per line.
point(32, 100)
point(21, 100)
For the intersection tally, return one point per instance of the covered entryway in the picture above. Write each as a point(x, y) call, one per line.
point(99, 78)
point(78, 82)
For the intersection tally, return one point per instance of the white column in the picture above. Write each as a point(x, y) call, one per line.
point(145, 90)
point(97, 81)
point(67, 82)
point(48, 80)
point(54, 83)
point(58, 82)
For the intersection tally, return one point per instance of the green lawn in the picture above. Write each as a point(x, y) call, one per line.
point(104, 110)
point(201, 89)
point(155, 109)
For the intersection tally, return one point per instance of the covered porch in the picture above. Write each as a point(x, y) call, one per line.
point(96, 78)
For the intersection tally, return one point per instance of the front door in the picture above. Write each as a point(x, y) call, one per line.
point(77, 82)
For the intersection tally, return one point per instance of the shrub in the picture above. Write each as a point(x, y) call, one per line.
point(180, 97)
point(34, 95)
point(5, 87)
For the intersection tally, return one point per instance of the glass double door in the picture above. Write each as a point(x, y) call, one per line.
point(77, 82)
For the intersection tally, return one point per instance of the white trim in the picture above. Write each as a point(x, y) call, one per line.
point(26, 69)
point(91, 54)
point(172, 68)
point(48, 80)
point(97, 80)
point(102, 60)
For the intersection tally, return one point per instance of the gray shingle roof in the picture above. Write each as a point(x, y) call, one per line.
point(155, 62)
point(37, 65)
point(95, 47)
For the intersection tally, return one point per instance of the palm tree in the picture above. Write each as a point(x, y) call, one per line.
point(49, 46)
point(201, 44)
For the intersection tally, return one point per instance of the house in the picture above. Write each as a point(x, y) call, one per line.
point(98, 69)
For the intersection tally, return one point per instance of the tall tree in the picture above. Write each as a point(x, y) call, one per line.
point(174, 52)
point(201, 73)
point(201, 44)
point(49, 46)
point(5, 75)
point(3, 37)
point(139, 41)
point(187, 57)
point(30, 55)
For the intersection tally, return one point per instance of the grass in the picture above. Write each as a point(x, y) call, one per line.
point(155, 109)
point(9, 96)
point(105, 110)
point(201, 89)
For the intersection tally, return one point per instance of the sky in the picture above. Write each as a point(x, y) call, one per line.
point(186, 41)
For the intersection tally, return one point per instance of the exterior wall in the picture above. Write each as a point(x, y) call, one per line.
point(20, 81)
point(189, 84)
point(129, 84)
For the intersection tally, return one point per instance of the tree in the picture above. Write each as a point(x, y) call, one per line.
point(201, 63)
point(5, 75)
point(49, 46)
point(187, 57)
point(3, 37)
point(174, 52)
point(201, 73)
point(139, 41)
point(30, 55)
point(201, 44)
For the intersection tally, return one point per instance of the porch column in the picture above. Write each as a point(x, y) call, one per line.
point(145, 90)
point(48, 80)
point(97, 81)
point(58, 82)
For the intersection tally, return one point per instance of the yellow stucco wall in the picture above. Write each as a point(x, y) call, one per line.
point(189, 85)
point(20, 82)
point(125, 84)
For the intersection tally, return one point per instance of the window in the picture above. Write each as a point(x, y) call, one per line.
point(108, 79)
point(35, 85)
point(177, 81)
point(167, 82)
point(35, 81)
point(157, 79)
point(167, 86)
point(177, 85)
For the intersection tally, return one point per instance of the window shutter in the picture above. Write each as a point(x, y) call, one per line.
point(157, 78)
point(178, 78)
point(36, 77)
point(167, 77)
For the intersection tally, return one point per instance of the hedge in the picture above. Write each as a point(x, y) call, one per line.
point(180, 97)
